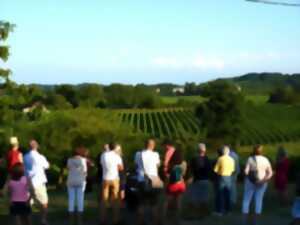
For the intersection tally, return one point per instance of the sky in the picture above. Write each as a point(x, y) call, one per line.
point(148, 41)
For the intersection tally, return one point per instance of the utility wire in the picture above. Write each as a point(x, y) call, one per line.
point(275, 3)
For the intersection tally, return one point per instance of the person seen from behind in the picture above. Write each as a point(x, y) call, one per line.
point(198, 192)
point(233, 197)
point(112, 164)
point(122, 175)
point(281, 175)
point(18, 188)
point(147, 164)
point(14, 155)
point(76, 183)
point(224, 169)
point(35, 166)
point(258, 172)
point(169, 150)
point(176, 185)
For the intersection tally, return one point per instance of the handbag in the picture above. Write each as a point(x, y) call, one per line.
point(253, 174)
point(150, 182)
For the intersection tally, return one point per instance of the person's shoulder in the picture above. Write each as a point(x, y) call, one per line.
point(265, 159)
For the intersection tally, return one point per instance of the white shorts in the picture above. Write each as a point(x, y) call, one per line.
point(40, 194)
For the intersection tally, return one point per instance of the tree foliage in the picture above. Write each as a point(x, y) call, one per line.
point(285, 95)
point(221, 115)
point(5, 29)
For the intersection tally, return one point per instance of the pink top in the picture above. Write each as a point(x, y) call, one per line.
point(168, 155)
point(19, 190)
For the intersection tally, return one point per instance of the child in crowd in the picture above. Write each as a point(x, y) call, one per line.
point(18, 188)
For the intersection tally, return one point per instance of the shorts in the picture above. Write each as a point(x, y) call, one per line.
point(176, 189)
point(40, 194)
point(110, 187)
point(20, 209)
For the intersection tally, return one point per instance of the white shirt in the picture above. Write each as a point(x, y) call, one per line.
point(77, 167)
point(149, 165)
point(110, 162)
point(262, 166)
point(35, 165)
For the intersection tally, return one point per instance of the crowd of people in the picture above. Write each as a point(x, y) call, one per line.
point(162, 190)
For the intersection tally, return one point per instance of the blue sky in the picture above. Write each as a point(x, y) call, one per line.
point(134, 41)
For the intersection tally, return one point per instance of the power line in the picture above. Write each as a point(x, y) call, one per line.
point(275, 3)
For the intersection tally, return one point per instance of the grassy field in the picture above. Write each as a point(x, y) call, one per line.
point(173, 100)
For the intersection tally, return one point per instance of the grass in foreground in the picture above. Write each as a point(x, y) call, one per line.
point(273, 213)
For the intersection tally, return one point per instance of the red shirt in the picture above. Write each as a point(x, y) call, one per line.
point(281, 175)
point(12, 157)
point(168, 155)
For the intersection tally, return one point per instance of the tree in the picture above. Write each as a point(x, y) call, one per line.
point(285, 95)
point(91, 95)
point(221, 116)
point(69, 92)
point(5, 29)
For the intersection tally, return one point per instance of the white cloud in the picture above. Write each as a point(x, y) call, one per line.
point(198, 62)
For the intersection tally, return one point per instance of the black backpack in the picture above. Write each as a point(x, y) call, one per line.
point(253, 174)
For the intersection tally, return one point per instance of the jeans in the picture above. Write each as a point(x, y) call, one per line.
point(253, 191)
point(296, 208)
point(223, 188)
point(76, 192)
point(233, 196)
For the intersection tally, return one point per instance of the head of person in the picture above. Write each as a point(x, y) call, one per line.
point(202, 148)
point(150, 144)
point(14, 142)
point(226, 150)
point(106, 147)
point(34, 145)
point(18, 171)
point(177, 157)
point(112, 146)
point(118, 150)
point(281, 153)
point(168, 144)
point(80, 151)
point(257, 150)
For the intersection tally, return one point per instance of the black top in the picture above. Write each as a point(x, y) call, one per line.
point(200, 167)
point(298, 187)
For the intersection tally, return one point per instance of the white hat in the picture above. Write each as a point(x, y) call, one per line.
point(14, 141)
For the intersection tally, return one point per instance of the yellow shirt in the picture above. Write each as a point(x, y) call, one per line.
point(225, 166)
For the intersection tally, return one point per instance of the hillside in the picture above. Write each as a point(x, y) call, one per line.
point(264, 83)
point(251, 83)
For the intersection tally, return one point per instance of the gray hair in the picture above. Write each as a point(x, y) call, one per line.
point(202, 147)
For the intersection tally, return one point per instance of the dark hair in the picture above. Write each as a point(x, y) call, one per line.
point(281, 154)
point(257, 150)
point(17, 171)
point(177, 158)
point(220, 151)
point(112, 146)
point(168, 142)
point(80, 151)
